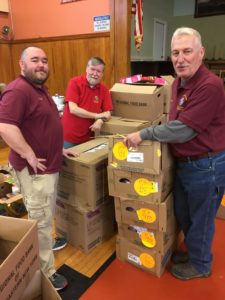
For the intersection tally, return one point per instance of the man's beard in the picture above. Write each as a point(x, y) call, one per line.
point(92, 81)
point(32, 77)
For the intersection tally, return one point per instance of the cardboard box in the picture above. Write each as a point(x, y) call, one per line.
point(40, 288)
point(149, 238)
point(123, 126)
point(221, 210)
point(167, 92)
point(137, 102)
point(140, 186)
point(85, 229)
point(150, 157)
point(19, 255)
point(83, 180)
point(152, 216)
point(148, 260)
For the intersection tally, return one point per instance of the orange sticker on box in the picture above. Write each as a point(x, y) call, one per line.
point(144, 187)
point(147, 260)
point(148, 239)
point(146, 215)
point(223, 201)
point(120, 151)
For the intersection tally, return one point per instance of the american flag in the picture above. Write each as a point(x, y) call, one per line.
point(137, 11)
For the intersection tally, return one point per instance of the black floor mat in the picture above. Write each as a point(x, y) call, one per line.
point(79, 283)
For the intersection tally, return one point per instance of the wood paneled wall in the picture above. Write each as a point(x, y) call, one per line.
point(68, 55)
point(67, 58)
point(6, 70)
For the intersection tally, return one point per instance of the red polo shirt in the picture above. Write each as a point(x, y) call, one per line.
point(96, 100)
point(35, 113)
point(200, 104)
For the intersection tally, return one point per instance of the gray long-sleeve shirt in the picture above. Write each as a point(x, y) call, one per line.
point(170, 132)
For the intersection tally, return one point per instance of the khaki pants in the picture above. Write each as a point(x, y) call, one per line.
point(39, 195)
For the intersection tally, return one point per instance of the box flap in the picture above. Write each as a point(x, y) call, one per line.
point(136, 89)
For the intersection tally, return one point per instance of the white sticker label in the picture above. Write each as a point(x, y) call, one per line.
point(134, 258)
point(135, 157)
point(95, 149)
point(138, 229)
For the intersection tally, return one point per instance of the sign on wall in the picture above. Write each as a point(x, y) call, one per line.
point(101, 23)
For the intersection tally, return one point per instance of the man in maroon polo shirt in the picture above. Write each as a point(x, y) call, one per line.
point(196, 133)
point(30, 125)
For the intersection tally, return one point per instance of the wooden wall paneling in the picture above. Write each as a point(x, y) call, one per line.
point(121, 41)
point(6, 69)
point(16, 50)
point(67, 57)
point(112, 41)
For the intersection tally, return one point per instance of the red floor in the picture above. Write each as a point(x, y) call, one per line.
point(124, 281)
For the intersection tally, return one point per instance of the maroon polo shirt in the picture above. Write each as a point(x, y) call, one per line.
point(200, 104)
point(35, 113)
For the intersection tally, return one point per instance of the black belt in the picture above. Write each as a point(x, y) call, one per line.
point(197, 157)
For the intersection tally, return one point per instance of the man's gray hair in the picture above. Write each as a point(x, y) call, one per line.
point(187, 31)
point(94, 61)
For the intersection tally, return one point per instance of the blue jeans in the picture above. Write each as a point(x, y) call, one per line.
point(67, 145)
point(198, 191)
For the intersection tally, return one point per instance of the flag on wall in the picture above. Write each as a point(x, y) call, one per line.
point(137, 11)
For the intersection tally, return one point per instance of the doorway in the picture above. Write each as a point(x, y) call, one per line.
point(159, 40)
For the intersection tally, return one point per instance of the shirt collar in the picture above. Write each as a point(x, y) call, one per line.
point(187, 84)
point(43, 88)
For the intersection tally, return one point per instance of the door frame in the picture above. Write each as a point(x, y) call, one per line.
point(154, 51)
point(120, 32)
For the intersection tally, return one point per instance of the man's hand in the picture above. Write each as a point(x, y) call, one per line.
point(105, 116)
point(96, 126)
point(70, 153)
point(36, 163)
point(132, 139)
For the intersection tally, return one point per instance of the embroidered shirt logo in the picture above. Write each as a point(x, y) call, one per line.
point(96, 99)
point(182, 103)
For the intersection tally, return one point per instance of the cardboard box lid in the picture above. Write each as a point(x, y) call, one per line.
point(40, 288)
point(14, 229)
point(134, 89)
point(125, 121)
point(91, 151)
point(168, 78)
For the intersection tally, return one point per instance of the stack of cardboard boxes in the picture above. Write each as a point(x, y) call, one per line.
point(141, 179)
point(84, 211)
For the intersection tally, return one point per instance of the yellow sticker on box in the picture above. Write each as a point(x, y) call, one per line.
point(148, 239)
point(147, 260)
point(120, 151)
point(159, 153)
point(144, 187)
point(146, 215)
